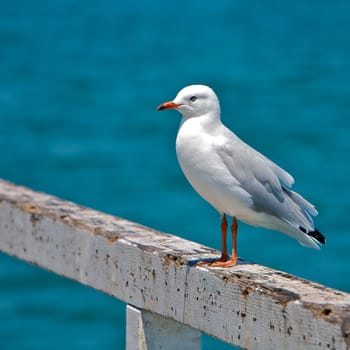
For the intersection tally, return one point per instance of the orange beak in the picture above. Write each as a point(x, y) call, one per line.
point(168, 105)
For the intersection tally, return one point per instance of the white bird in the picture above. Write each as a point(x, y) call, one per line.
point(233, 177)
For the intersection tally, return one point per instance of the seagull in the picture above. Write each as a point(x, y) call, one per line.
point(234, 178)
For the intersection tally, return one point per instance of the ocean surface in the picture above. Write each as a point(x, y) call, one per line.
point(79, 85)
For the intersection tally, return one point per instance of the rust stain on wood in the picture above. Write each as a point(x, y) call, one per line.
point(111, 237)
point(329, 312)
point(170, 259)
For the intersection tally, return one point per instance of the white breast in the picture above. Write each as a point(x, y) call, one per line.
point(203, 168)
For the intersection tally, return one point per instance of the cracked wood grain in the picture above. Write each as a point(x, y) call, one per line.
point(250, 306)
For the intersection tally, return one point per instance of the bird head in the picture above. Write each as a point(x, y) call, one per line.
point(194, 101)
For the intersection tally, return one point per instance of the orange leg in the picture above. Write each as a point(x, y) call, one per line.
point(224, 261)
point(234, 229)
point(224, 255)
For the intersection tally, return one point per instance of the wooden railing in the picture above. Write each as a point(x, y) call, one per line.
point(170, 300)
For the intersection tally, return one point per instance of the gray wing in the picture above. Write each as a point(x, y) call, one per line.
point(256, 174)
point(263, 180)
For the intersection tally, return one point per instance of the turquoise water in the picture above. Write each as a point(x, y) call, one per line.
point(80, 81)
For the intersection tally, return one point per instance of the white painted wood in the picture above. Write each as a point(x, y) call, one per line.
point(148, 331)
point(250, 306)
point(135, 330)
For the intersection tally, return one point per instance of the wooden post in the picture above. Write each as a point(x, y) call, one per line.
point(249, 305)
point(148, 331)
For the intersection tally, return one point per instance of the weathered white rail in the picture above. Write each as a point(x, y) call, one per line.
point(170, 298)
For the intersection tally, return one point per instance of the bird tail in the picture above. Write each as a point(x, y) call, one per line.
point(308, 235)
point(316, 234)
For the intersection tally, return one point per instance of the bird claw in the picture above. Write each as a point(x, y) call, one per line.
point(223, 263)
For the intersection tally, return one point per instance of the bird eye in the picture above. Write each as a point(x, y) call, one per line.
point(193, 98)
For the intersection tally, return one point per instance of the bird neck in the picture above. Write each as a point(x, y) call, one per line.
point(208, 122)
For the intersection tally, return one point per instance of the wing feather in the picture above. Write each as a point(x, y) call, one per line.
point(265, 182)
point(256, 174)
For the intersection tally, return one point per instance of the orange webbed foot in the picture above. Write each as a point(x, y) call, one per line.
point(221, 262)
point(224, 264)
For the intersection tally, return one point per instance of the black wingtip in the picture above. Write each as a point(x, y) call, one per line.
point(318, 236)
point(315, 234)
